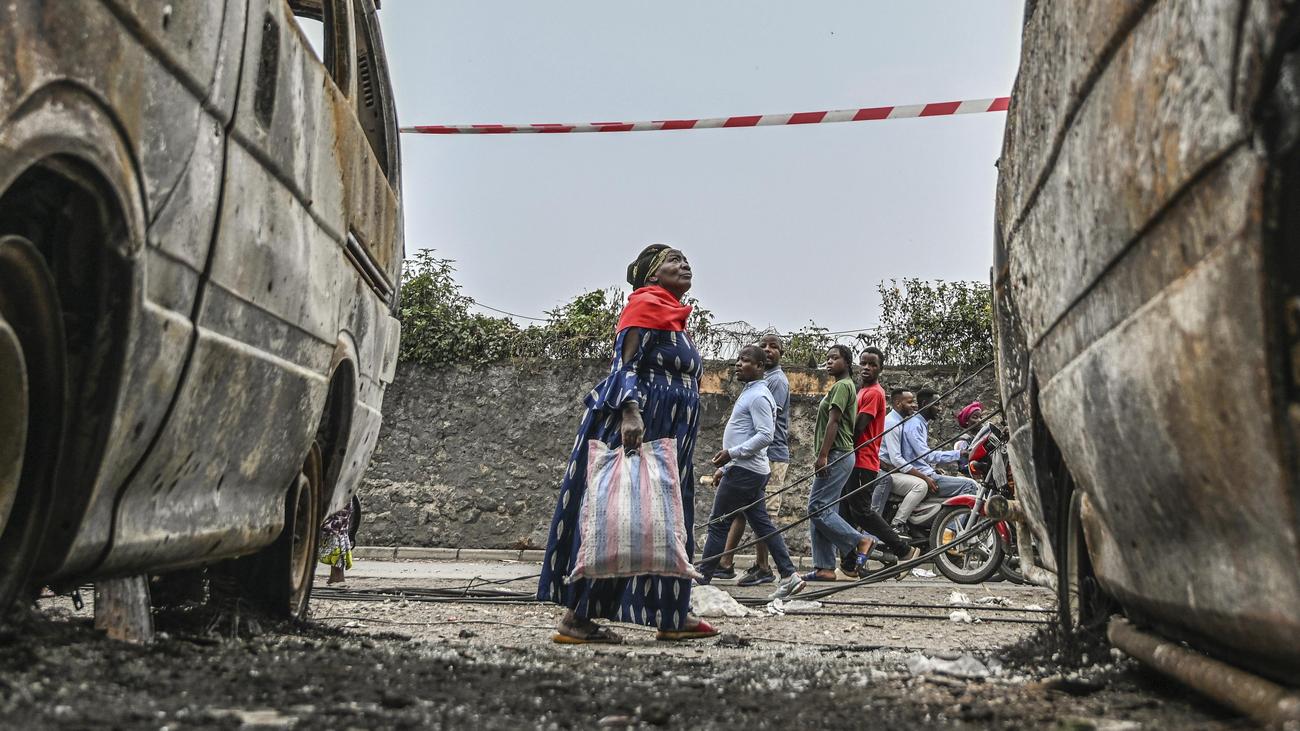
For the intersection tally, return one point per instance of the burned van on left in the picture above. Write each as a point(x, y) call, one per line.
point(200, 242)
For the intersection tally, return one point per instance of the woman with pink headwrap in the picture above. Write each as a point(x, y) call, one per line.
point(971, 413)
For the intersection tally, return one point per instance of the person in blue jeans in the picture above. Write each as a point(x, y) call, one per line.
point(744, 469)
point(832, 443)
point(916, 449)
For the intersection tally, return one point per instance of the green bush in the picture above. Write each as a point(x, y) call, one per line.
point(936, 322)
point(922, 322)
point(437, 326)
point(807, 346)
point(439, 329)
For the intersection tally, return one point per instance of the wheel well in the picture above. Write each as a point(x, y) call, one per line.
point(336, 425)
point(73, 217)
point(1060, 496)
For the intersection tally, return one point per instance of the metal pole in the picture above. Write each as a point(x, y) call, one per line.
point(1262, 700)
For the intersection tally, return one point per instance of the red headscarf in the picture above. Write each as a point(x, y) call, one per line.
point(655, 308)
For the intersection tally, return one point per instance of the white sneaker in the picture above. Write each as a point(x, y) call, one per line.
point(788, 587)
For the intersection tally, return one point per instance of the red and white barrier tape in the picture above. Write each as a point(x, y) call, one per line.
point(939, 109)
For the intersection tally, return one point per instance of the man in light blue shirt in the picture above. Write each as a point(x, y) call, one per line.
point(908, 482)
point(778, 457)
point(916, 444)
point(750, 429)
point(743, 469)
point(778, 452)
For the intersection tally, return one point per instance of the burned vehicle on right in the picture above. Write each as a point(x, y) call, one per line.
point(1147, 316)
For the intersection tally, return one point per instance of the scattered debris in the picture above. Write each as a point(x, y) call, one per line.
point(957, 598)
point(779, 607)
point(921, 573)
point(997, 601)
point(465, 634)
point(963, 616)
point(1075, 686)
point(955, 683)
point(710, 601)
point(732, 640)
point(843, 650)
point(259, 718)
point(965, 666)
point(1096, 724)
point(1033, 607)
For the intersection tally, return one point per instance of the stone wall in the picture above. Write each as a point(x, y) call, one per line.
point(472, 457)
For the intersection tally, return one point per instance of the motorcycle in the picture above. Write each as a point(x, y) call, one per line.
point(938, 520)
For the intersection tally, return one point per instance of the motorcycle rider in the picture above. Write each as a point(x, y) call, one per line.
point(916, 444)
point(908, 482)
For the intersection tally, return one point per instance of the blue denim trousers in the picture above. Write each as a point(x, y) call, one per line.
point(829, 531)
point(884, 486)
point(740, 487)
point(950, 486)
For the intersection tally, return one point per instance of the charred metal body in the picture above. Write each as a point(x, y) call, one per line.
point(1145, 285)
point(216, 212)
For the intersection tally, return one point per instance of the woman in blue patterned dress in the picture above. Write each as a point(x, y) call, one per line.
point(652, 392)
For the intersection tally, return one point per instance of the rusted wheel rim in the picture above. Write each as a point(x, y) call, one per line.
point(1071, 612)
point(31, 369)
point(13, 417)
point(302, 554)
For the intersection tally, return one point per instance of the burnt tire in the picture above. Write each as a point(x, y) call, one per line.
point(279, 578)
point(32, 402)
point(1082, 607)
point(354, 525)
point(1010, 570)
point(975, 560)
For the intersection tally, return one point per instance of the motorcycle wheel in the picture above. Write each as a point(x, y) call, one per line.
point(974, 561)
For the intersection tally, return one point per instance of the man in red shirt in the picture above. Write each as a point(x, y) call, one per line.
point(856, 507)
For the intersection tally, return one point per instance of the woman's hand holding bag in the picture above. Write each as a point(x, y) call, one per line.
point(633, 428)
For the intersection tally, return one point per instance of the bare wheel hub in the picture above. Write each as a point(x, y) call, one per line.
point(31, 408)
point(13, 417)
point(302, 552)
point(30, 367)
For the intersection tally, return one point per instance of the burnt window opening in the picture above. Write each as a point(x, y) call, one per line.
point(327, 35)
point(374, 105)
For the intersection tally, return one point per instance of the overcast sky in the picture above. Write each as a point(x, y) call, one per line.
point(783, 225)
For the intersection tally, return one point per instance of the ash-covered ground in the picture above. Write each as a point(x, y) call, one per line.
point(366, 662)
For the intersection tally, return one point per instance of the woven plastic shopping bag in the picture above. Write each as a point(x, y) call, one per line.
point(631, 520)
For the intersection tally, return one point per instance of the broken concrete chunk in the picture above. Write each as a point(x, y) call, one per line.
point(710, 601)
point(965, 666)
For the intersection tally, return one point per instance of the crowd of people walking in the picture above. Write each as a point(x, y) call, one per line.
point(861, 456)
